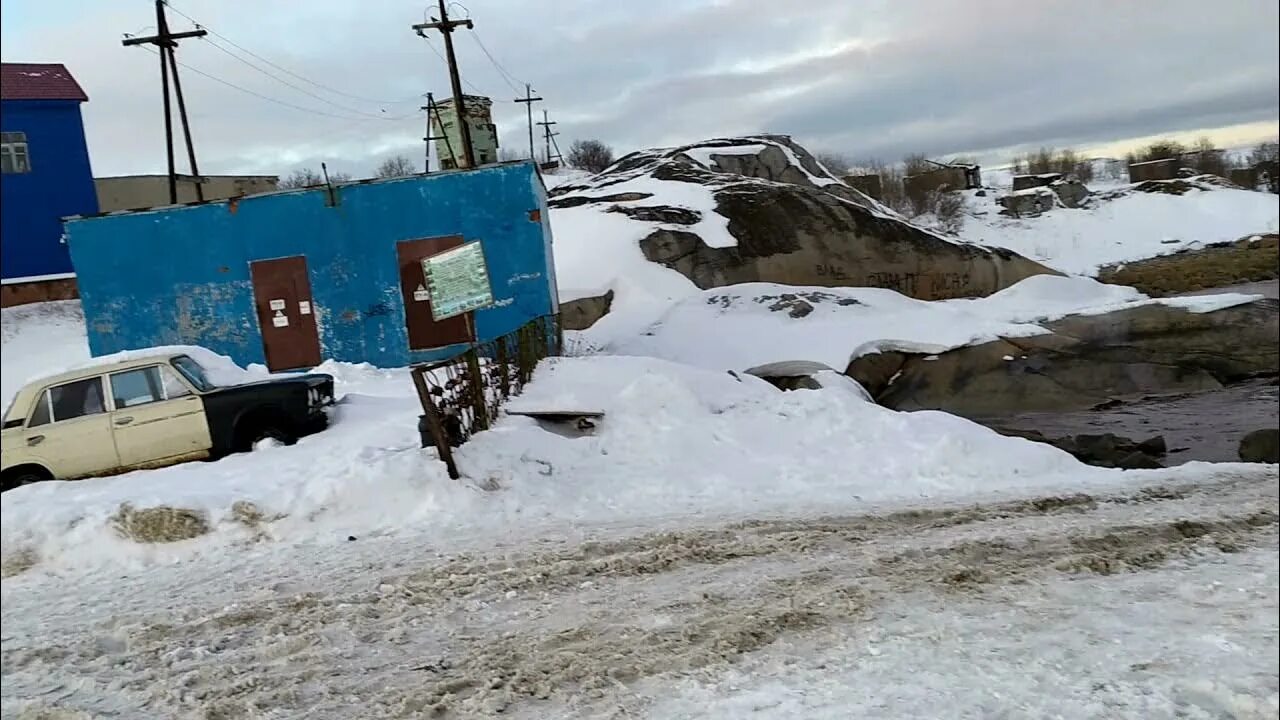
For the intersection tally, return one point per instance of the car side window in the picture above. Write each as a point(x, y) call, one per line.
point(136, 387)
point(76, 399)
point(193, 372)
point(171, 384)
point(41, 414)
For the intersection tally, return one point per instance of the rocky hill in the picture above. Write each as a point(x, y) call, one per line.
point(748, 209)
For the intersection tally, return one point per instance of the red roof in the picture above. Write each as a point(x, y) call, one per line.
point(38, 81)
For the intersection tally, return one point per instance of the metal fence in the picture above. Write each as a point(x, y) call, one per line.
point(462, 395)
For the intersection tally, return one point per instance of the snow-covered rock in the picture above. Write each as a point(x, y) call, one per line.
point(658, 225)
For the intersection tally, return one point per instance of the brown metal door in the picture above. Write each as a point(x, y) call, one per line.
point(424, 331)
point(282, 297)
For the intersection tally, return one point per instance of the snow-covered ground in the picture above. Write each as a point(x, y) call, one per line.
point(1130, 227)
point(753, 324)
point(1154, 597)
point(716, 549)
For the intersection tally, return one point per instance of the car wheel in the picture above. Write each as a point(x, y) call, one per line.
point(17, 480)
point(268, 435)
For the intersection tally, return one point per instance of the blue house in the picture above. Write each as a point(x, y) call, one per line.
point(293, 277)
point(44, 176)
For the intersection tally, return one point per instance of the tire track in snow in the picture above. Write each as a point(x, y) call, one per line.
point(481, 634)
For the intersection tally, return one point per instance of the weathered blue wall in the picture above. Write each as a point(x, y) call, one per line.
point(181, 275)
point(60, 184)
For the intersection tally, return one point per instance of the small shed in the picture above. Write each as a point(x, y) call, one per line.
point(294, 277)
point(1164, 169)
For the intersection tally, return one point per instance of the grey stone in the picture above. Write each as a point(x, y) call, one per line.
point(1028, 203)
point(1070, 192)
point(659, 213)
point(1085, 361)
point(1154, 446)
point(582, 313)
point(1261, 446)
point(1138, 461)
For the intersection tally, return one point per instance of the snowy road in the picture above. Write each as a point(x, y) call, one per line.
point(1158, 601)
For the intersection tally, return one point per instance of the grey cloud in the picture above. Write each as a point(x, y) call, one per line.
point(874, 78)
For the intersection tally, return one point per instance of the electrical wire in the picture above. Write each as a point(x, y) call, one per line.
point(285, 70)
point(507, 77)
point(286, 83)
point(268, 98)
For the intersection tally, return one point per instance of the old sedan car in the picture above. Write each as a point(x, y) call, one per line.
point(149, 411)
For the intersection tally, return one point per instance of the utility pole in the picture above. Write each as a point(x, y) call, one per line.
point(432, 110)
point(446, 26)
point(547, 135)
point(167, 43)
point(528, 101)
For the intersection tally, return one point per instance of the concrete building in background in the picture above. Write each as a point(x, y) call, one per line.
point(484, 134)
point(44, 176)
point(133, 192)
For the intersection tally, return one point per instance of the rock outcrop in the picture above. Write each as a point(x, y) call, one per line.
point(1261, 446)
point(1084, 360)
point(582, 313)
point(1103, 450)
point(788, 221)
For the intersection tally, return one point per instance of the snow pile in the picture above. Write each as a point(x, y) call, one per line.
point(39, 339)
point(1127, 226)
point(675, 441)
point(753, 324)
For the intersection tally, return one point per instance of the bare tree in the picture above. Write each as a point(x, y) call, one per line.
point(301, 178)
point(507, 154)
point(590, 155)
point(1265, 152)
point(915, 163)
point(395, 166)
point(306, 177)
point(837, 163)
point(948, 208)
point(1161, 150)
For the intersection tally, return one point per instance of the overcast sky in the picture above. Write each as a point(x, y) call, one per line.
point(870, 78)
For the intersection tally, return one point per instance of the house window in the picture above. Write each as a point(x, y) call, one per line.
point(14, 157)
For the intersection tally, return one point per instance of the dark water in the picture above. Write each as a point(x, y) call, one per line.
point(1196, 426)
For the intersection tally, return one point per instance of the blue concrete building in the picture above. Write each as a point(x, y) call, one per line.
point(44, 176)
point(294, 277)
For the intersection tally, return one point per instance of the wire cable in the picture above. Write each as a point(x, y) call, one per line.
point(268, 98)
point(282, 69)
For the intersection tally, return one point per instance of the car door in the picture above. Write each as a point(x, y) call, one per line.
point(156, 417)
point(69, 430)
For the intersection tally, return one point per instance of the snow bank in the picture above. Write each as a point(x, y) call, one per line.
point(38, 339)
point(1130, 227)
point(675, 441)
point(754, 324)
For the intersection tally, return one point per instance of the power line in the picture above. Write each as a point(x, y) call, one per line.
point(275, 100)
point(285, 70)
point(511, 81)
point(465, 81)
point(282, 81)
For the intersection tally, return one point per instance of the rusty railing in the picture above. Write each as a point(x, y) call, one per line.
point(462, 395)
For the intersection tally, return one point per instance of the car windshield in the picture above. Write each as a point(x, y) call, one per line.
point(193, 372)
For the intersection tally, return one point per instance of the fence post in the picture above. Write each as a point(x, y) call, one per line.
point(478, 400)
point(434, 425)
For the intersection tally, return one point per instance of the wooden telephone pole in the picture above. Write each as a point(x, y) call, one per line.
point(529, 100)
point(433, 111)
point(548, 137)
point(446, 26)
point(167, 43)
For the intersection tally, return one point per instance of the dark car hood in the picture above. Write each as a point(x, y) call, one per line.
point(309, 380)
